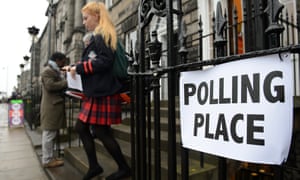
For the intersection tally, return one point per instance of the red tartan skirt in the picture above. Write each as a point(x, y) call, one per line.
point(101, 110)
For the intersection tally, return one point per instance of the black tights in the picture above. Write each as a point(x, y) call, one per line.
point(103, 133)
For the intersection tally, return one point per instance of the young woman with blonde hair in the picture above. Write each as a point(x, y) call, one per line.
point(101, 106)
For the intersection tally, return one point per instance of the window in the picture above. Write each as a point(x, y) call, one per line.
point(108, 3)
point(131, 39)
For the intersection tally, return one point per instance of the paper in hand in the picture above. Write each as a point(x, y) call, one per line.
point(74, 83)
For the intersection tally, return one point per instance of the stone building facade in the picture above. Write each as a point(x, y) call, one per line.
point(64, 30)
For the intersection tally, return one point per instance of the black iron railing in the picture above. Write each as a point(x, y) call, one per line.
point(146, 74)
point(142, 72)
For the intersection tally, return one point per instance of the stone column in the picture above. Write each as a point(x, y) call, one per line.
point(53, 33)
point(69, 25)
point(78, 17)
point(78, 32)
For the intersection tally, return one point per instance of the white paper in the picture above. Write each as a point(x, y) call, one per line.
point(74, 83)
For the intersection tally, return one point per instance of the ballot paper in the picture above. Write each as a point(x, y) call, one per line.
point(74, 83)
point(74, 86)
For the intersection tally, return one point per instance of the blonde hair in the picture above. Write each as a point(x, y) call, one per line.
point(105, 26)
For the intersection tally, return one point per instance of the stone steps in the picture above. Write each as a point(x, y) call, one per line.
point(77, 157)
point(122, 131)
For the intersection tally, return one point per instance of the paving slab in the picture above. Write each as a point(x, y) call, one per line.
point(17, 156)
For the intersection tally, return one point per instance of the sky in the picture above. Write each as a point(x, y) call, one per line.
point(16, 16)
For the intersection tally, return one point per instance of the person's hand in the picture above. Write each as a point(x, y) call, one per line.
point(66, 68)
point(63, 72)
point(73, 72)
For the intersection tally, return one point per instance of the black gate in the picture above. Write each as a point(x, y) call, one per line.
point(267, 31)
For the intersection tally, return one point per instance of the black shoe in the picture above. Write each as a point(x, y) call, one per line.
point(92, 173)
point(122, 173)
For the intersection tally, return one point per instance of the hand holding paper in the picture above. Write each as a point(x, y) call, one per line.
point(71, 69)
point(74, 86)
point(73, 72)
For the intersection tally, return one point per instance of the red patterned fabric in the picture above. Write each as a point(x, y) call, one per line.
point(102, 110)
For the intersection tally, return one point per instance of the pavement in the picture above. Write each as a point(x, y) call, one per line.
point(21, 153)
point(18, 157)
point(65, 172)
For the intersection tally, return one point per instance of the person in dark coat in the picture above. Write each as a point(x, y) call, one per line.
point(52, 107)
point(101, 106)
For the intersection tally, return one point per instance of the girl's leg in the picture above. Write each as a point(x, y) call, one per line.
point(89, 147)
point(104, 133)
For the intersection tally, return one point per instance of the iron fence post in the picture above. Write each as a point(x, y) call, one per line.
point(183, 56)
point(155, 53)
point(274, 29)
point(220, 44)
point(171, 95)
point(141, 115)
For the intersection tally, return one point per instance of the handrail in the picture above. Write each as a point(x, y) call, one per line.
point(219, 60)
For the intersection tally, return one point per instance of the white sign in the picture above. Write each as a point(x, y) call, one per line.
point(241, 110)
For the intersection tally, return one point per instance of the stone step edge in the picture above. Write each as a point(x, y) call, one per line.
point(72, 155)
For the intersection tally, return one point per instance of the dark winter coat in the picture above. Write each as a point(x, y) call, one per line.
point(52, 103)
point(96, 69)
